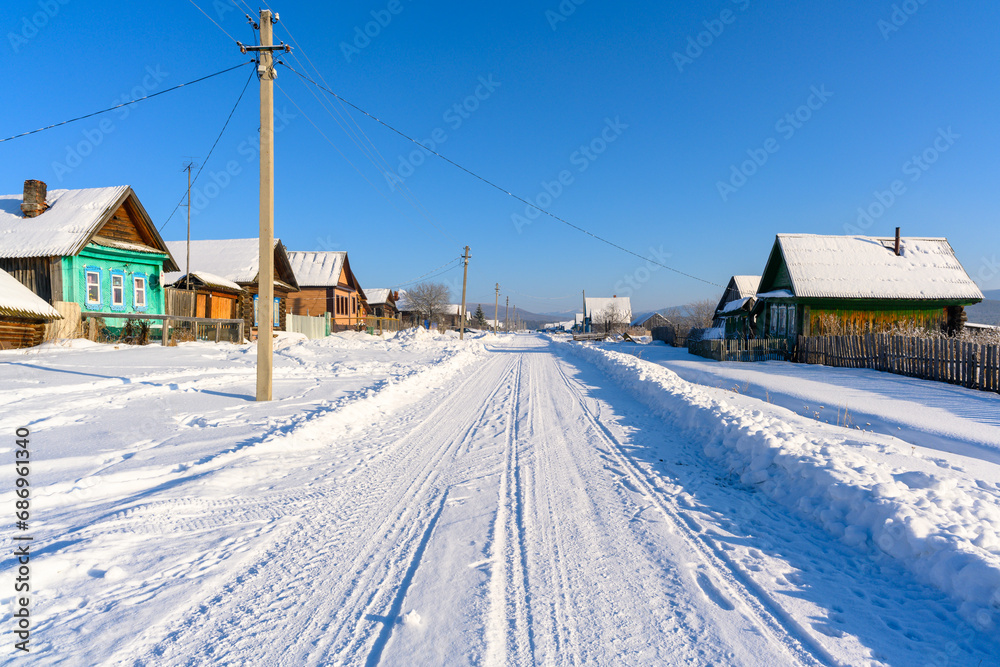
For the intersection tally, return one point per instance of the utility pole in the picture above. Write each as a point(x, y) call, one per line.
point(496, 309)
point(465, 280)
point(506, 316)
point(515, 318)
point(265, 277)
point(583, 325)
point(187, 266)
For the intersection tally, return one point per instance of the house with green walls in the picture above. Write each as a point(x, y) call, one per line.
point(96, 248)
point(817, 285)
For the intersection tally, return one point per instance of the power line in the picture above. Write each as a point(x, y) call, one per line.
point(213, 21)
point(117, 106)
point(428, 274)
point(494, 185)
point(228, 118)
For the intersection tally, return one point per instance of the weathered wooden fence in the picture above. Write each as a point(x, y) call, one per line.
point(667, 334)
point(164, 328)
point(966, 363)
point(375, 325)
point(729, 349)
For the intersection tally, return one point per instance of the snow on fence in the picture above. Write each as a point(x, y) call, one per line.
point(959, 362)
point(311, 327)
point(757, 349)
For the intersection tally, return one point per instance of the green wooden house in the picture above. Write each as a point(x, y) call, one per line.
point(816, 285)
point(96, 248)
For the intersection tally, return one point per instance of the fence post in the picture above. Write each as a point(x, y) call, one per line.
point(166, 333)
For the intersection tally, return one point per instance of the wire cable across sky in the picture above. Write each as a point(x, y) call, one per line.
point(494, 185)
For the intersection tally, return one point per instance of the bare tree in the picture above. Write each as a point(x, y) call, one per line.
point(429, 300)
point(696, 315)
point(612, 320)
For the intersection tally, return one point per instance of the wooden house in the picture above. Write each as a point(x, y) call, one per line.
point(96, 248)
point(607, 315)
point(213, 296)
point(733, 314)
point(381, 303)
point(327, 285)
point(23, 314)
point(821, 285)
point(649, 321)
point(218, 265)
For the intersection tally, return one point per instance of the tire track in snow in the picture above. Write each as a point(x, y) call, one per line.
point(509, 634)
point(356, 560)
point(767, 613)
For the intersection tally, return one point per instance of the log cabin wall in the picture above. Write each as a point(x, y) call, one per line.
point(16, 333)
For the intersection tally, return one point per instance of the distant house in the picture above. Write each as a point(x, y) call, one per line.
point(607, 315)
point(649, 321)
point(819, 285)
point(96, 248)
point(23, 314)
point(327, 285)
point(218, 265)
point(381, 302)
point(732, 315)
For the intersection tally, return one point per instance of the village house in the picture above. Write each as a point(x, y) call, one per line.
point(649, 321)
point(227, 272)
point(732, 315)
point(214, 296)
point(327, 286)
point(817, 285)
point(23, 314)
point(93, 250)
point(607, 315)
point(382, 303)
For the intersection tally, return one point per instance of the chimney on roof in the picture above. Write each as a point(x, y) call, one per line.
point(33, 203)
point(614, 296)
point(897, 241)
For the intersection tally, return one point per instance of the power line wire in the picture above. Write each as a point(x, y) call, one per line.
point(225, 125)
point(428, 274)
point(494, 185)
point(117, 106)
point(213, 21)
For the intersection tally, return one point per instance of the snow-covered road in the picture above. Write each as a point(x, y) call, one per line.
point(506, 505)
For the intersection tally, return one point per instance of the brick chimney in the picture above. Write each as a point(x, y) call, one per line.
point(33, 203)
point(897, 242)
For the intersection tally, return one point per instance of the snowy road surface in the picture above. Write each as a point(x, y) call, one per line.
point(425, 503)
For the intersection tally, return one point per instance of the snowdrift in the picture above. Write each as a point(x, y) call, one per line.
point(943, 528)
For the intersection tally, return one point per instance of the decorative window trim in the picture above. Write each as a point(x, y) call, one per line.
point(87, 272)
point(144, 291)
point(774, 318)
point(116, 273)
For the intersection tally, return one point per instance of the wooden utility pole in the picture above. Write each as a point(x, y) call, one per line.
point(506, 316)
point(265, 277)
point(187, 266)
point(496, 309)
point(583, 325)
point(515, 318)
point(465, 280)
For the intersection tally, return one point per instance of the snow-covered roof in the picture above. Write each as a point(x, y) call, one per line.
point(645, 317)
point(736, 305)
point(598, 305)
point(746, 285)
point(208, 279)
point(236, 260)
point(378, 295)
point(16, 300)
point(317, 268)
point(866, 267)
point(71, 219)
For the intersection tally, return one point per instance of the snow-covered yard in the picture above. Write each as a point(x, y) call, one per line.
point(503, 500)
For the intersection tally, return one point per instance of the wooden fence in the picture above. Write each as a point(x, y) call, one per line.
point(376, 325)
point(729, 349)
point(310, 327)
point(96, 325)
point(965, 363)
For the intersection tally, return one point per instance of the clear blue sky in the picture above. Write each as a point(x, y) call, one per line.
point(679, 115)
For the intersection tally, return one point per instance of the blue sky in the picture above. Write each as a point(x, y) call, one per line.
point(687, 132)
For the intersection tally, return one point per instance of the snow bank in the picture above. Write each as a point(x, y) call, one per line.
point(943, 528)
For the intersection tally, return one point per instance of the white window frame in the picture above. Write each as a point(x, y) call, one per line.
point(782, 320)
point(773, 324)
point(97, 283)
point(120, 303)
point(139, 291)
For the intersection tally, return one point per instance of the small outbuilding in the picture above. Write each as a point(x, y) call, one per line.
point(23, 314)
